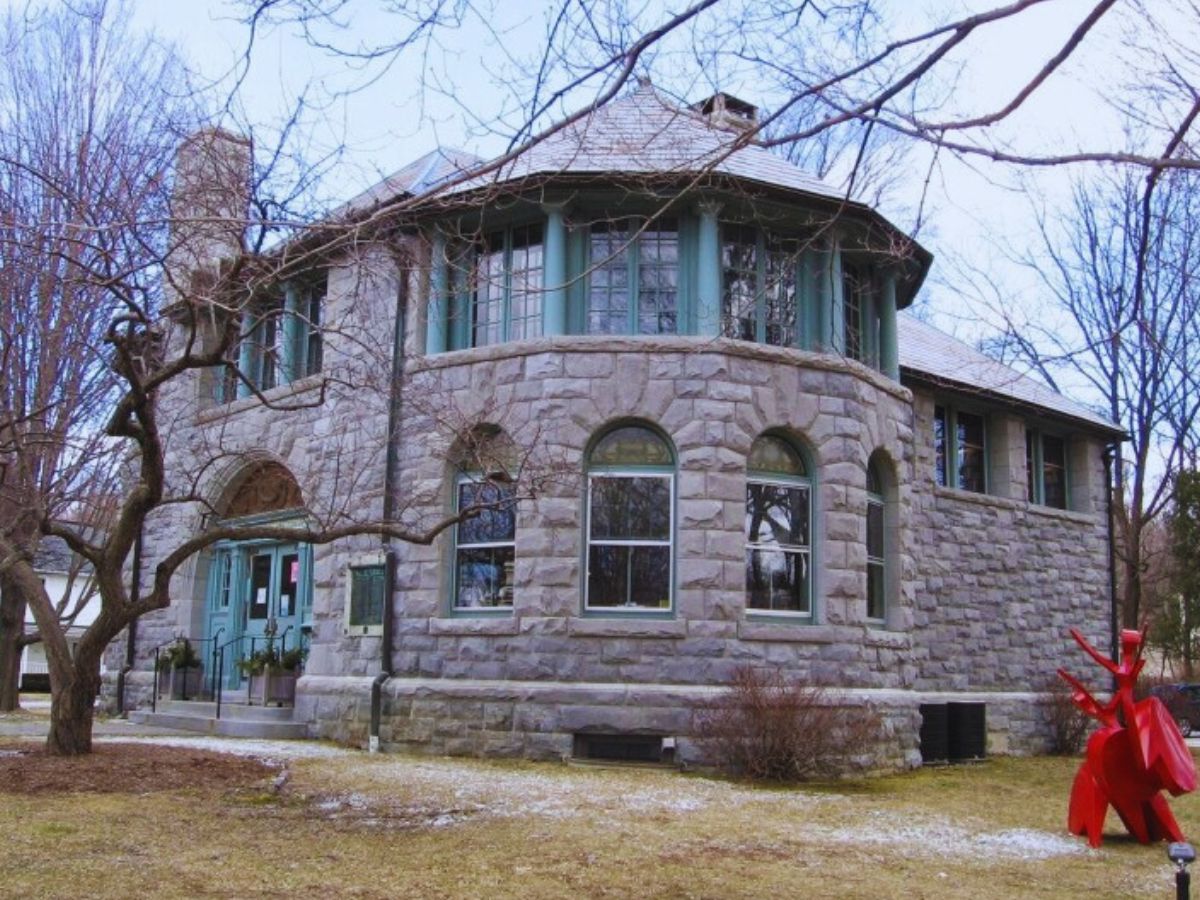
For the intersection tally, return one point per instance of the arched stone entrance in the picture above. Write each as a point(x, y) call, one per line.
point(259, 591)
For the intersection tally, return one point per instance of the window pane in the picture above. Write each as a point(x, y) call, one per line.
point(608, 283)
point(1054, 471)
point(939, 445)
point(875, 529)
point(776, 456)
point(780, 306)
point(636, 576)
point(483, 577)
point(658, 278)
point(630, 508)
point(739, 266)
point(853, 289)
point(487, 319)
point(631, 445)
point(491, 524)
point(1030, 466)
point(876, 608)
point(777, 514)
point(970, 452)
point(525, 302)
point(366, 595)
point(777, 580)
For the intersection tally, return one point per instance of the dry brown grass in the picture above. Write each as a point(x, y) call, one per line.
point(390, 826)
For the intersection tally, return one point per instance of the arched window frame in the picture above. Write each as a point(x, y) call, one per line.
point(794, 484)
point(602, 476)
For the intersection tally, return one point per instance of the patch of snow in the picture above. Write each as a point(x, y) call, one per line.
point(940, 838)
point(273, 752)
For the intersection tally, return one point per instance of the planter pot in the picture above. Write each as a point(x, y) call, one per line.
point(185, 683)
point(276, 686)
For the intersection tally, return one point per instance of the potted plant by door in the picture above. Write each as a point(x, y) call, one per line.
point(273, 674)
point(185, 674)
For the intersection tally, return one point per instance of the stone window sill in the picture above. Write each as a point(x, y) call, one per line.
point(626, 628)
point(276, 394)
point(482, 625)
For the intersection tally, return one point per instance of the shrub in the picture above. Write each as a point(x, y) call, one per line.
point(180, 655)
point(1069, 725)
point(766, 727)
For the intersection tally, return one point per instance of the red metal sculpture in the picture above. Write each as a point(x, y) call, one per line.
point(1136, 753)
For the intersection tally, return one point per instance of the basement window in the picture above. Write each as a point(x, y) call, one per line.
point(642, 748)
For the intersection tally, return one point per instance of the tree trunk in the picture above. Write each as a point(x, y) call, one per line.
point(12, 628)
point(73, 708)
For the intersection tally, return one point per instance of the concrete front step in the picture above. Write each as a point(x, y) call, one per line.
point(237, 720)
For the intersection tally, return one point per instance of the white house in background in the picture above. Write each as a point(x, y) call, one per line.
point(63, 576)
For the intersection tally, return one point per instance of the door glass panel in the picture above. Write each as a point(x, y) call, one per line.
point(289, 578)
point(260, 586)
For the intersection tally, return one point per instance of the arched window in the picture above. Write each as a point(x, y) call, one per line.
point(778, 529)
point(876, 551)
point(630, 521)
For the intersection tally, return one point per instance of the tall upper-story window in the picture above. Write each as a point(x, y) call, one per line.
point(633, 285)
point(778, 529)
point(960, 449)
point(630, 521)
point(860, 326)
point(507, 304)
point(758, 297)
point(1046, 468)
point(282, 340)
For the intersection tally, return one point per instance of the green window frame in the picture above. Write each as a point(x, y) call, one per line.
point(779, 530)
point(366, 582)
point(629, 531)
point(960, 449)
point(484, 546)
point(281, 340)
point(634, 277)
point(506, 288)
point(860, 319)
point(876, 548)
point(762, 297)
point(1046, 470)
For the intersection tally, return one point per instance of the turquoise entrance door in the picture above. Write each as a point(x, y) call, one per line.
point(258, 593)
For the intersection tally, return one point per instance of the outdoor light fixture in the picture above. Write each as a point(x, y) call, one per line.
point(1182, 855)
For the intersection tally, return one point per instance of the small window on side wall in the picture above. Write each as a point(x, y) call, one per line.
point(366, 580)
point(778, 529)
point(1046, 468)
point(960, 449)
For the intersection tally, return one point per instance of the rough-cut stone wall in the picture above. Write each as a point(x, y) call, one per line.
point(711, 400)
point(999, 581)
point(329, 431)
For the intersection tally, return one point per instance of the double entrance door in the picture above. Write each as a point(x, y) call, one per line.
point(258, 593)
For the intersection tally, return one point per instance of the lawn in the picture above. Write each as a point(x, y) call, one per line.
point(184, 822)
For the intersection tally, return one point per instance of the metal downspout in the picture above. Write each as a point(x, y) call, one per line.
point(135, 592)
point(1113, 611)
point(389, 509)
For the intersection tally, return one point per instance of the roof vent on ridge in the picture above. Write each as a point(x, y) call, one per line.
point(727, 111)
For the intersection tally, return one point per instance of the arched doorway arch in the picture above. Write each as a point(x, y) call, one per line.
point(259, 592)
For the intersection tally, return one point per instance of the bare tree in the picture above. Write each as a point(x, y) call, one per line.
point(82, 144)
point(1118, 264)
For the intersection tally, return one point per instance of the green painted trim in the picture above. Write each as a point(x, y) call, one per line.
point(889, 347)
point(836, 336)
point(291, 362)
point(577, 264)
point(708, 272)
point(554, 273)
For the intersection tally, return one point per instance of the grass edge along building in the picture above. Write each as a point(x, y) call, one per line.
point(755, 458)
